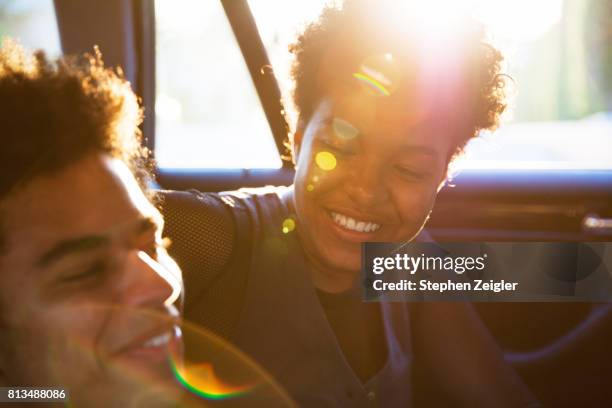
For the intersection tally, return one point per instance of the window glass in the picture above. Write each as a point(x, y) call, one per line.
point(208, 114)
point(559, 54)
point(32, 22)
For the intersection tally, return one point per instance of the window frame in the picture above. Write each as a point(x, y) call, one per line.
point(256, 59)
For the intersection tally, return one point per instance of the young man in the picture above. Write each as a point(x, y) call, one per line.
point(383, 108)
point(87, 286)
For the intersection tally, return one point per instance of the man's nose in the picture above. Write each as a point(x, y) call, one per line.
point(148, 282)
point(366, 186)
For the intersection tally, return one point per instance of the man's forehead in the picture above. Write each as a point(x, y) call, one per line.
point(92, 196)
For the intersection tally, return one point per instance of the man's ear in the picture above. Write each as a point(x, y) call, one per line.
point(298, 136)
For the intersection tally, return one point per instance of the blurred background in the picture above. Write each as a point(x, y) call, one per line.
point(559, 53)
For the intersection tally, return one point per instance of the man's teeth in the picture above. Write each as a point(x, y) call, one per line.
point(158, 341)
point(353, 224)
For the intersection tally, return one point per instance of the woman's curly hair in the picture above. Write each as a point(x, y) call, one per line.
point(53, 113)
point(353, 26)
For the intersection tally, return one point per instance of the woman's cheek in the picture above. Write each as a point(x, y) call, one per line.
point(324, 172)
point(414, 206)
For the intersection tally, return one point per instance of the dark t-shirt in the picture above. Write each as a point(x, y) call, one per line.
point(359, 330)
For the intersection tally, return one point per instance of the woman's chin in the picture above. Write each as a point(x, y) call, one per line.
point(345, 260)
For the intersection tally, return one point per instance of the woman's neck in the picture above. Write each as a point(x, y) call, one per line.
point(328, 279)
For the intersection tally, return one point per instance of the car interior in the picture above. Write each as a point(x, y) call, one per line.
point(562, 350)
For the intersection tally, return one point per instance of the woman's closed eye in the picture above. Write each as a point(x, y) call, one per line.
point(410, 173)
point(338, 148)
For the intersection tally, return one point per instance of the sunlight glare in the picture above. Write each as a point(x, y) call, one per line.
point(516, 20)
point(520, 20)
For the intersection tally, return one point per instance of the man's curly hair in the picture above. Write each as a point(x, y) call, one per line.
point(356, 27)
point(53, 113)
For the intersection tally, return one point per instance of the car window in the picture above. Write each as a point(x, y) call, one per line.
point(208, 114)
point(31, 22)
point(558, 55)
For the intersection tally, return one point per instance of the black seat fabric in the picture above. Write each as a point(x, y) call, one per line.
point(205, 244)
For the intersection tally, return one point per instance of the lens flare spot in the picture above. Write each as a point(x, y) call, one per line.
point(315, 179)
point(372, 83)
point(326, 161)
point(275, 246)
point(215, 371)
point(309, 188)
point(201, 380)
point(344, 129)
point(379, 74)
point(288, 225)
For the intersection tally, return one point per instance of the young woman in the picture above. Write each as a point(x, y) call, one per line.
point(383, 108)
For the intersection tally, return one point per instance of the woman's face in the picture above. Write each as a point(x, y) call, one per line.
point(368, 170)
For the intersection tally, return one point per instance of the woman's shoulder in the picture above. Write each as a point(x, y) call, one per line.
point(267, 195)
point(206, 227)
point(212, 236)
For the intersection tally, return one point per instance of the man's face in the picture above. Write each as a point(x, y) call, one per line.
point(83, 253)
point(367, 170)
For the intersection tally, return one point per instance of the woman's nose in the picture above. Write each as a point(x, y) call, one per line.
point(366, 186)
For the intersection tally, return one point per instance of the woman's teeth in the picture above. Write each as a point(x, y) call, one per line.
point(353, 224)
